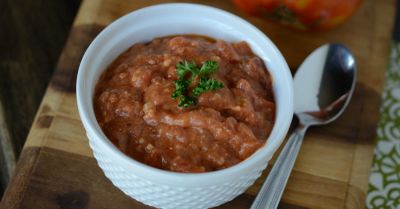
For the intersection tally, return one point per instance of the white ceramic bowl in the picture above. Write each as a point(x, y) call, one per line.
point(165, 189)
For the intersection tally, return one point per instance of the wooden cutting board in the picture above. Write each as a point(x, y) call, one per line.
point(57, 170)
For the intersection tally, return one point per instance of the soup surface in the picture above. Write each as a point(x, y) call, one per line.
point(135, 109)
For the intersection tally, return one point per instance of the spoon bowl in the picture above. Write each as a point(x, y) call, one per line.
point(323, 87)
point(322, 95)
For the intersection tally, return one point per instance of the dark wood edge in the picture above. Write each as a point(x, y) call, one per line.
point(63, 81)
point(396, 31)
point(7, 153)
point(14, 194)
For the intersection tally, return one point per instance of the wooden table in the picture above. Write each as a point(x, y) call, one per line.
point(57, 169)
point(33, 34)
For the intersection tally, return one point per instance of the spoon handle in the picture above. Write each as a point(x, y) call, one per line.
point(272, 189)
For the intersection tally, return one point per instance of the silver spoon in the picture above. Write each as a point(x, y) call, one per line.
point(323, 86)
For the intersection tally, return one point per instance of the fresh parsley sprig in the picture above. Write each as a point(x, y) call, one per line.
point(187, 72)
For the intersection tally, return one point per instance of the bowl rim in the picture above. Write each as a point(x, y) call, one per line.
point(105, 143)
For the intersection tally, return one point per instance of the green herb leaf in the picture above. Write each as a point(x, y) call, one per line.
point(180, 87)
point(208, 68)
point(205, 82)
point(187, 101)
point(207, 85)
point(182, 68)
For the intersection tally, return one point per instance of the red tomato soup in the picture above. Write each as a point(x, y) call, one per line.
point(135, 109)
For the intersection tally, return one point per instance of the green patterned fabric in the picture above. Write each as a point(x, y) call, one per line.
point(384, 182)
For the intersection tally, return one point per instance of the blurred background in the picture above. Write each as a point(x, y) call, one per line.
point(32, 37)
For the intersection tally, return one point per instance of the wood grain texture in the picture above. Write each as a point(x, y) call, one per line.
point(32, 37)
point(334, 163)
point(48, 188)
point(34, 34)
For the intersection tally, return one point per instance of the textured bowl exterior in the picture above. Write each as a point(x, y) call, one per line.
point(171, 197)
point(165, 189)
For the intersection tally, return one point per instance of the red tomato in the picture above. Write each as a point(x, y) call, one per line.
point(257, 7)
point(302, 14)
